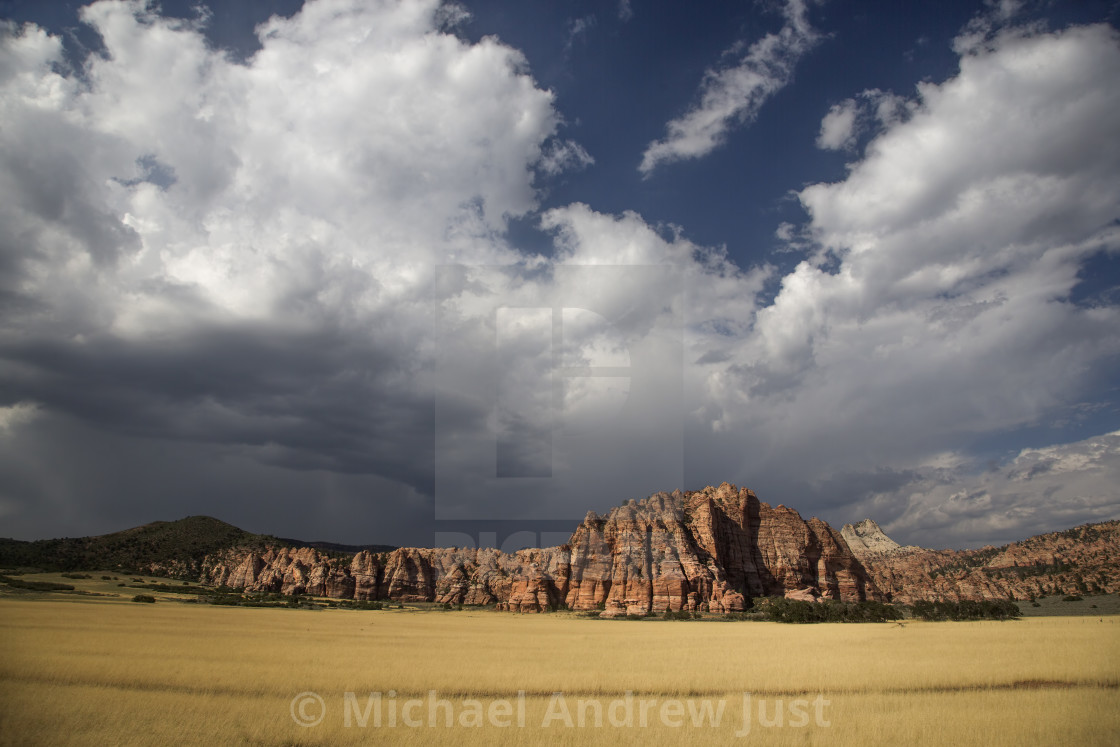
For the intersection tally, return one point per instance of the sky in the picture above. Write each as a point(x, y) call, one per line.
point(426, 273)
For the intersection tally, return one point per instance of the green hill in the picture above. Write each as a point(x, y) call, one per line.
point(166, 545)
point(170, 548)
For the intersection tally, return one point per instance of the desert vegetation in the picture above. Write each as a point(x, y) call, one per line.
point(97, 670)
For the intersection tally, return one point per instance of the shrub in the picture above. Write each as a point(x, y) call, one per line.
point(1003, 609)
point(1071, 598)
point(106, 578)
point(797, 611)
point(227, 600)
point(17, 583)
point(144, 598)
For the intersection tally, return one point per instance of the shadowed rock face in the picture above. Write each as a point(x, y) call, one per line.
point(710, 549)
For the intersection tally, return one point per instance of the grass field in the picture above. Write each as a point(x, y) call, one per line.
point(102, 670)
point(1089, 604)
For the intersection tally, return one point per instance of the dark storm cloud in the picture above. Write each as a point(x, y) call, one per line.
point(72, 478)
point(310, 400)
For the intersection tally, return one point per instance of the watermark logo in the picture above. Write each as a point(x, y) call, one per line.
point(308, 709)
point(548, 385)
point(391, 710)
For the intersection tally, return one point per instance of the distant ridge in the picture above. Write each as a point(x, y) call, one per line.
point(1080, 560)
point(335, 547)
point(713, 549)
point(175, 548)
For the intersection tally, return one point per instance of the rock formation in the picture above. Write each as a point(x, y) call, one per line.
point(868, 540)
point(712, 549)
point(1079, 560)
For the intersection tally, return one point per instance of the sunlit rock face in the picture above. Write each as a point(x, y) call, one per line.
point(711, 549)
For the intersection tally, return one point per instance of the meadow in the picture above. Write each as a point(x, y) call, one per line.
point(104, 670)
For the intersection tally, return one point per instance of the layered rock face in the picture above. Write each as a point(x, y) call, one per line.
point(1078, 560)
point(711, 549)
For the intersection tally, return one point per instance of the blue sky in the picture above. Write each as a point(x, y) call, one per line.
point(254, 268)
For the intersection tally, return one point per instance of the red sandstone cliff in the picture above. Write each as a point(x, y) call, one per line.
point(709, 549)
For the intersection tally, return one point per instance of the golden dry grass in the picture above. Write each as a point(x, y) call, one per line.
point(98, 671)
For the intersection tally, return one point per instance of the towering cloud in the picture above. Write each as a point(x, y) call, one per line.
point(212, 252)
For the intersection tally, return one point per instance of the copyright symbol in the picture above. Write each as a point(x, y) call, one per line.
point(308, 709)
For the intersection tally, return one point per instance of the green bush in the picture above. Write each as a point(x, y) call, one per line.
point(1003, 609)
point(17, 583)
point(1072, 598)
point(797, 611)
point(144, 598)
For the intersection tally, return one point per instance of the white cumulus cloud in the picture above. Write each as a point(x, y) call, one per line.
point(938, 304)
point(733, 95)
point(838, 128)
point(1037, 491)
point(241, 253)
